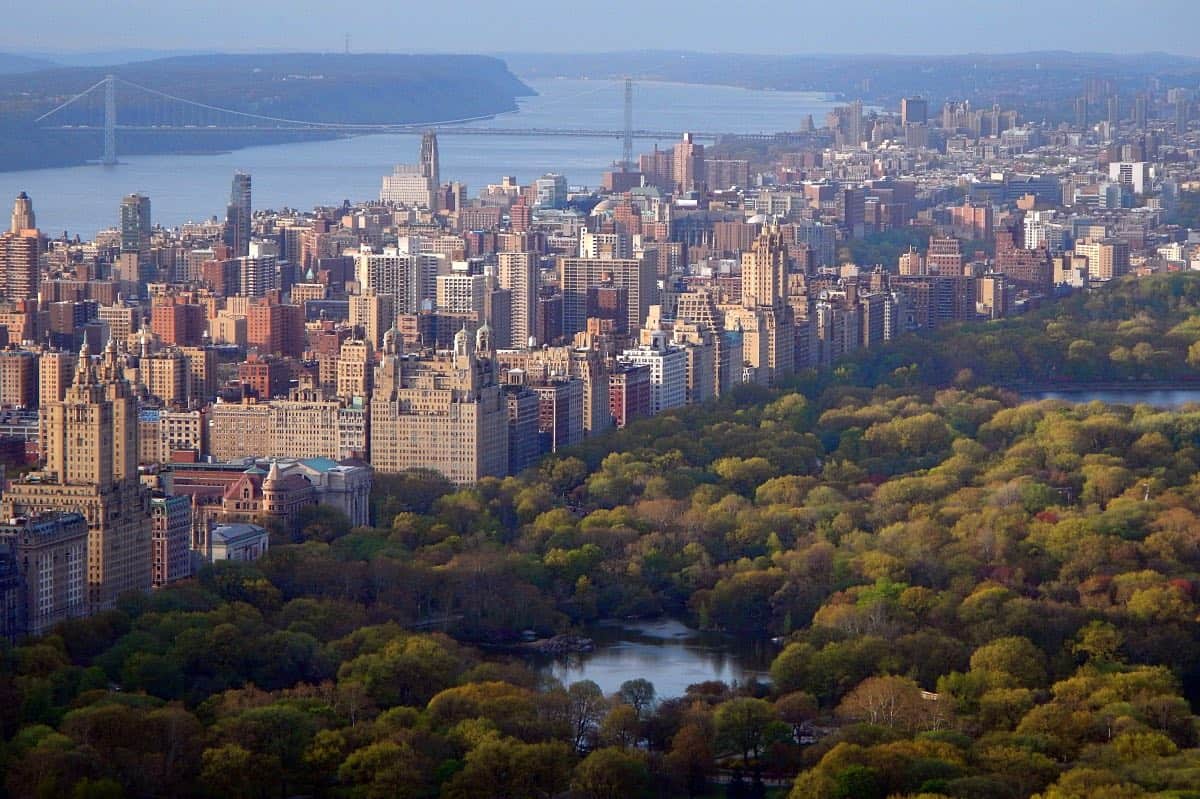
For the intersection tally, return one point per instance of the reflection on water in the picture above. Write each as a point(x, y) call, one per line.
point(1156, 397)
point(665, 652)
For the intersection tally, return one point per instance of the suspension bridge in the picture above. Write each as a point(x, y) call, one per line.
point(158, 112)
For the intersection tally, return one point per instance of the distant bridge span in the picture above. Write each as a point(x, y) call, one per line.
point(364, 130)
point(165, 113)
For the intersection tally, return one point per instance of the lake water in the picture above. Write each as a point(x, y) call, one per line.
point(84, 199)
point(667, 653)
point(1156, 397)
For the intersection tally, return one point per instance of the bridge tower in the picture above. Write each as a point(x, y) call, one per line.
point(110, 121)
point(627, 150)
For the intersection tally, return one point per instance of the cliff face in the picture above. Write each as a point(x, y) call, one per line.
point(311, 87)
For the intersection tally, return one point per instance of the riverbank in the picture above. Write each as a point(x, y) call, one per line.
point(220, 102)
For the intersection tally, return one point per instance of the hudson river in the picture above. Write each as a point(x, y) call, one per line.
point(84, 199)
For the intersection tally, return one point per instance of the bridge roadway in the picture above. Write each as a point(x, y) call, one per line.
point(449, 130)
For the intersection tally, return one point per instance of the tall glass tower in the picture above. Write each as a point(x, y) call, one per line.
point(238, 214)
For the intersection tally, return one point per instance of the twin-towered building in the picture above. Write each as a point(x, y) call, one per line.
point(89, 442)
point(444, 411)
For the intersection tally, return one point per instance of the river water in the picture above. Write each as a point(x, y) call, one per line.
point(667, 653)
point(84, 199)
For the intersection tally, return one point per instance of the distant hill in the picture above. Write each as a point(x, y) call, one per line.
point(1036, 83)
point(96, 58)
point(11, 64)
point(317, 87)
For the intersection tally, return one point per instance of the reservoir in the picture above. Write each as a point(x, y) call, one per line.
point(1165, 398)
point(84, 199)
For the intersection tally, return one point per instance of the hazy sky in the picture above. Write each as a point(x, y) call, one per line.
point(767, 26)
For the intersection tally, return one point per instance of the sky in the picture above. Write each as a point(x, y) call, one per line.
point(497, 26)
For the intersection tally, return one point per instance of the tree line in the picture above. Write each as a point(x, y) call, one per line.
point(974, 596)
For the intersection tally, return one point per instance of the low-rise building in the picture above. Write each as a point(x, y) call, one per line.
point(239, 541)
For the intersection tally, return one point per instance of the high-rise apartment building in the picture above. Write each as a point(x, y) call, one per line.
point(408, 185)
point(275, 328)
point(766, 319)
point(447, 412)
point(238, 215)
point(687, 164)
point(550, 191)
point(171, 535)
point(459, 292)
point(518, 272)
point(180, 324)
point(1106, 259)
point(19, 270)
point(668, 371)
point(411, 278)
point(20, 247)
point(605, 245)
point(1028, 269)
point(637, 276)
point(257, 275)
point(354, 369)
point(23, 217)
point(914, 111)
point(697, 314)
point(18, 379)
point(135, 224)
point(90, 444)
point(372, 315)
point(55, 369)
point(945, 256)
point(51, 551)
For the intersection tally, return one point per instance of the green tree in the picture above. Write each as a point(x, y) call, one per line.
point(509, 769)
point(611, 774)
point(748, 726)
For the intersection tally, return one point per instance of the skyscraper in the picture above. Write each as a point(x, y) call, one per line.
point(19, 271)
point(22, 214)
point(914, 111)
point(135, 223)
point(238, 215)
point(766, 319)
point(1140, 110)
point(90, 445)
point(687, 169)
point(518, 272)
point(430, 168)
point(764, 271)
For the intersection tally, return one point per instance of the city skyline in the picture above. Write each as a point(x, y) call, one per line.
point(930, 27)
